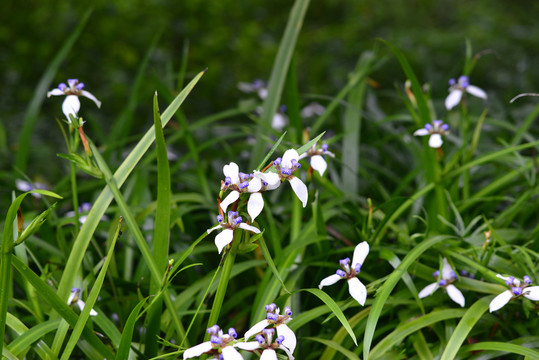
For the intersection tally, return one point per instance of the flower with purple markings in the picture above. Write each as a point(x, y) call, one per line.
point(254, 183)
point(273, 318)
point(226, 236)
point(448, 276)
point(457, 90)
point(74, 298)
point(257, 86)
point(356, 288)
point(285, 167)
point(72, 91)
point(265, 341)
point(436, 130)
point(220, 346)
point(317, 161)
point(516, 289)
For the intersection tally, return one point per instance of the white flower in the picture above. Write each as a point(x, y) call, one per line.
point(27, 186)
point(265, 341)
point(84, 209)
point(457, 89)
point(516, 290)
point(285, 167)
point(279, 321)
point(312, 109)
point(239, 183)
point(74, 298)
point(257, 86)
point(72, 92)
point(357, 290)
point(436, 130)
point(317, 161)
point(219, 345)
point(227, 235)
point(447, 278)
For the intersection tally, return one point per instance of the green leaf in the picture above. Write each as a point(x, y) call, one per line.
point(269, 260)
point(127, 334)
point(333, 345)
point(502, 346)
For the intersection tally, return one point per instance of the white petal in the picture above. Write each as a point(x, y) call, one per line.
point(268, 354)
point(71, 105)
point(232, 170)
point(453, 99)
point(93, 312)
point(274, 185)
point(70, 298)
point(255, 205)
point(229, 353)
point(279, 121)
point(319, 164)
point(504, 278)
point(287, 351)
point(446, 270)
point(90, 96)
point(500, 300)
point(223, 239)
point(233, 196)
point(23, 185)
point(421, 132)
point(244, 226)
point(250, 346)
point(214, 228)
point(288, 155)
point(532, 293)
point(475, 91)
point(246, 87)
point(360, 253)
point(455, 294)
point(258, 327)
point(55, 92)
point(262, 93)
point(255, 185)
point(357, 290)
point(271, 178)
point(197, 350)
point(435, 141)
point(300, 189)
point(289, 336)
point(330, 280)
point(428, 290)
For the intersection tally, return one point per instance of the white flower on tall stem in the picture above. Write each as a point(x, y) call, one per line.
point(265, 341)
point(436, 130)
point(286, 166)
point(220, 345)
point(72, 91)
point(516, 289)
point(317, 161)
point(226, 236)
point(279, 322)
point(74, 298)
point(447, 278)
point(457, 90)
point(240, 182)
point(356, 288)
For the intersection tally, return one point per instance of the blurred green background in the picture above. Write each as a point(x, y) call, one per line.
point(237, 41)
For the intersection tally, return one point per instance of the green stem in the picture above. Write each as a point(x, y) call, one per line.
point(464, 125)
point(73, 174)
point(5, 281)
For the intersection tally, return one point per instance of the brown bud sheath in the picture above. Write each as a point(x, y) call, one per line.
point(20, 220)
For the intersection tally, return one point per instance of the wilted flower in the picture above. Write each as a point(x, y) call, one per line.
point(436, 130)
point(457, 89)
point(265, 341)
point(220, 345)
point(72, 91)
point(516, 290)
point(279, 322)
point(287, 165)
point(446, 280)
point(227, 235)
point(317, 161)
point(357, 290)
point(74, 298)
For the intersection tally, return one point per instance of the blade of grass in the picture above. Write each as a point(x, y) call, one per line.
point(333, 345)
point(502, 346)
point(127, 334)
point(27, 337)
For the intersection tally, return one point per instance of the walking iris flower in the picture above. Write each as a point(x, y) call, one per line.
point(516, 290)
point(279, 322)
point(357, 290)
point(287, 165)
point(436, 130)
point(447, 278)
point(74, 298)
point(227, 235)
point(458, 88)
point(220, 345)
point(240, 182)
point(72, 91)
point(265, 341)
point(257, 86)
point(317, 161)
